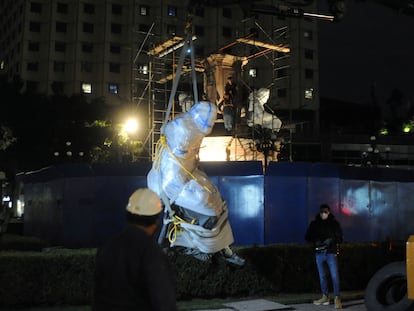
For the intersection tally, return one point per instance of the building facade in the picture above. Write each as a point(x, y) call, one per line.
point(101, 49)
point(69, 47)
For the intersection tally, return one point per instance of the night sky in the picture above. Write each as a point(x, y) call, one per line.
point(373, 45)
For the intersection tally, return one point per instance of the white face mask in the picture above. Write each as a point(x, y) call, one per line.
point(324, 215)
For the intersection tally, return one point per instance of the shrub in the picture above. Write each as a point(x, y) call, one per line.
point(65, 277)
point(21, 243)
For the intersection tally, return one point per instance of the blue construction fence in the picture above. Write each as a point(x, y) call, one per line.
point(82, 205)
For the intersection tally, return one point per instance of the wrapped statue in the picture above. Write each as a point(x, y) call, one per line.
point(196, 216)
point(258, 115)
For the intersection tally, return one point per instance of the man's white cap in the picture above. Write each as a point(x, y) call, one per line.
point(144, 202)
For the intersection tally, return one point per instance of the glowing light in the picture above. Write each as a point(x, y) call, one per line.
point(6, 198)
point(407, 128)
point(20, 208)
point(383, 131)
point(309, 93)
point(131, 125)
point(214, 148)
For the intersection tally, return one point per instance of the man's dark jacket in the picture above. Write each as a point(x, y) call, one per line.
point(132, 273)
point(323, 233)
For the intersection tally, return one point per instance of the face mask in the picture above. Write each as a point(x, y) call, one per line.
point(324, 215)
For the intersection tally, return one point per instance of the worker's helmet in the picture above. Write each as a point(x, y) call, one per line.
point(144, 202)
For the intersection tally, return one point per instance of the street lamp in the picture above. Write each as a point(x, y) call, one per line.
point(68, 152)
point(407, 128)
point(126, 141)
point(130, 126)
point(371, 157)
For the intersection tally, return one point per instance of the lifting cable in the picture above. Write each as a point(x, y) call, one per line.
point(162, 144)
point(188, 45)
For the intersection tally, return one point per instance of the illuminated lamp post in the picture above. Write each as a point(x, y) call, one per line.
point(371, 156)
point(407, 128)
point(67, 152)
point(129, 128)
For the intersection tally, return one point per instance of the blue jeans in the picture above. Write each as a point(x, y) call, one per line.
point(332, 262)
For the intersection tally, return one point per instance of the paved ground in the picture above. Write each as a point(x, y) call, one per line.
point(354, 305)
point(252, 305)
point(267, 305)
point(352, 301)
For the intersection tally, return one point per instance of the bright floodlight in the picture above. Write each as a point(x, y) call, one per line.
point(131, 125)
point(407, 128)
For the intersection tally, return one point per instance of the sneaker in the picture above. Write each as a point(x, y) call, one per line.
point(323, 301)
point(235, 260)
point(197, 254)
point(338, 302)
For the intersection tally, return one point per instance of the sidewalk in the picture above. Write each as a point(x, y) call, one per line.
point(352, 300)
point(297, 301)
point(267, 305)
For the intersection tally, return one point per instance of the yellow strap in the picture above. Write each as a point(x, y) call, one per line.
point(176, 228)
point(161, 145)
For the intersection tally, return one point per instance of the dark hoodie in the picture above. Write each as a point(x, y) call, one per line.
point(323, 233)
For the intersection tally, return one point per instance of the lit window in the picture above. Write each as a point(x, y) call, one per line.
point(86, 88)
point(252, 72)
point(309, 93)
point(113, 88)
point(143, 68)
point(172, 11)
point(143, 10)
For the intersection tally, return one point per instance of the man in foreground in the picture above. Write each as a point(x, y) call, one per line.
point(132, 272)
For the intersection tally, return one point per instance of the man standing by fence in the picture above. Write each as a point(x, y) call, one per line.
point(325, 233)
